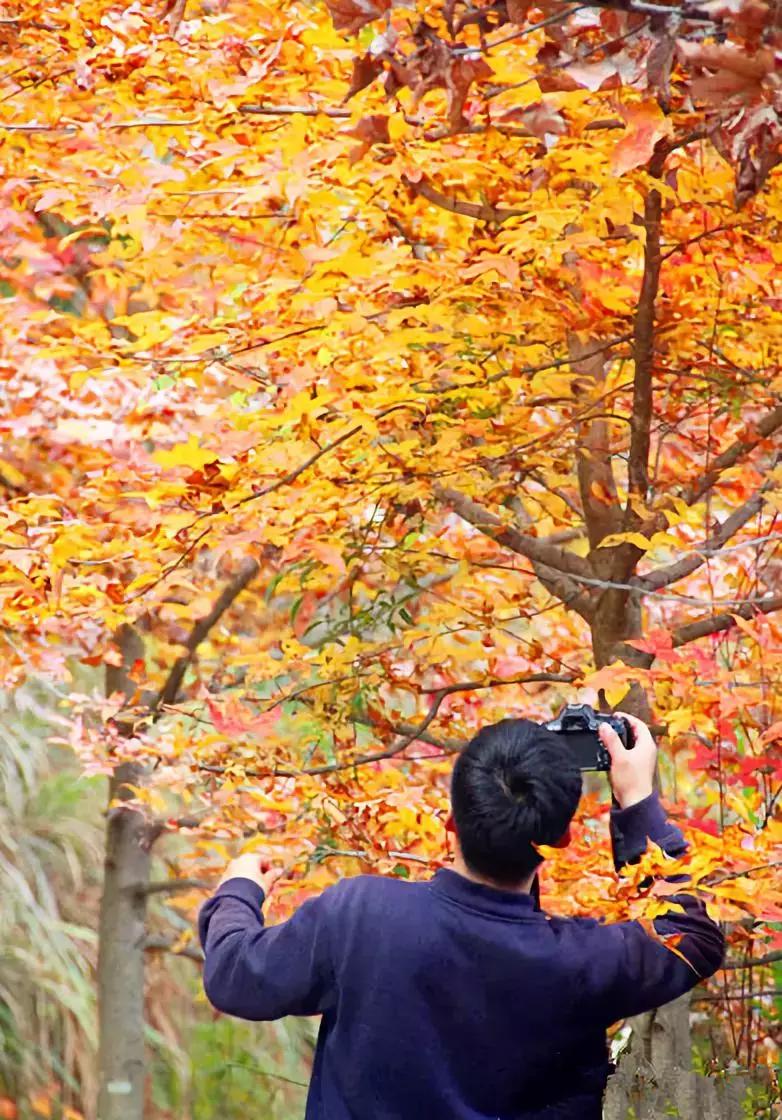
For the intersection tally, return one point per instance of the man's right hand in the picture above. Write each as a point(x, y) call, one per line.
point(632, 770)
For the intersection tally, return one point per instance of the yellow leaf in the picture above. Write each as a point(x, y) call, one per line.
point(638, 539)
point(659, 540)
point(679, 720)
point(11, 474)
point(188, 454)
point(142, 581)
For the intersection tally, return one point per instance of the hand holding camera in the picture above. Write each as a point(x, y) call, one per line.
point(618, 743)
point(632, 771)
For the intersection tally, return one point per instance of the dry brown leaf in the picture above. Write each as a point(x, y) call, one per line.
point(352, 15)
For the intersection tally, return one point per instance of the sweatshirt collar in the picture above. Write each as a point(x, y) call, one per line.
point(478, 896)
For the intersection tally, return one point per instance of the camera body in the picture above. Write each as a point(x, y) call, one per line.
point(579, 723)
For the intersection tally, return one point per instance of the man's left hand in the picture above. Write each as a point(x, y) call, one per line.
point(251, 866)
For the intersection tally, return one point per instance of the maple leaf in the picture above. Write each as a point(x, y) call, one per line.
point(369, 130)
point(365, 70)
point(189, 454)
point(236, 720)
point(646, 126)
point(352, 15)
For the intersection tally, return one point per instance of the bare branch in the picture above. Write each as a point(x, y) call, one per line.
point(291, 110)
point(552, 564)
point(670, 573)
point(741, 874)
point(171, 886)
point(285, 480)
point(410, 733)
point(716, 622)
point(168, 693)
point(367, 857)
point(753, 962)
point(482, 212)
point(167, 945)
point(496, 682)
point(726, 997)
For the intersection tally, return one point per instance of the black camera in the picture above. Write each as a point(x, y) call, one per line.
point(579, 724)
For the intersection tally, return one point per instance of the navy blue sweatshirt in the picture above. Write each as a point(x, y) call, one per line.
point(450, 1000)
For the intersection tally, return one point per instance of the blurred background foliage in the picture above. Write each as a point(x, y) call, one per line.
point(202, 1066)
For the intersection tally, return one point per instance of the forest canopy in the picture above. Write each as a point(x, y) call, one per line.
point(374, 371)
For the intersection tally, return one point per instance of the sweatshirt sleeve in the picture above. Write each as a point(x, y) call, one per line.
point(631, 970)
point(264, 972)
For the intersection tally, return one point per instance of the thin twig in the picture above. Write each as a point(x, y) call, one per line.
point(753, 962)
point(168, 693)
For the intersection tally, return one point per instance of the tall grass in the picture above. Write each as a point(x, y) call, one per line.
point(50, 861)
point(202, 1066)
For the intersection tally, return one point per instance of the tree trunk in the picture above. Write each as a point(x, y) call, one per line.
point(121, 956)
point(122, 927)
point(657, 1064)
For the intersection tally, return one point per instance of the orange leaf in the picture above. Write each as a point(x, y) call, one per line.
point(646, 125)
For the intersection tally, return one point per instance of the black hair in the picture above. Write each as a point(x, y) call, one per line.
point(514, 785)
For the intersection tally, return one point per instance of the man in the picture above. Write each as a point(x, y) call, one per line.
point(457, 998)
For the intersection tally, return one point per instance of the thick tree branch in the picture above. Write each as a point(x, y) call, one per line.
point(686, 565)
point(533, 548)
point(171, 886)
point(167, 945)
point(643, 344)
point(596, 481)
point(712, 624)
point(552, 563)
point(168, 693)
point(482, 212)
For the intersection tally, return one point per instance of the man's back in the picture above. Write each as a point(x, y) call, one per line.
point(455, 1001)
point(451, 1000)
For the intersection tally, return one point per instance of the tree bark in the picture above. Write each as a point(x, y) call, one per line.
point(655, 1072)
point(123, 909)
point(122, 926)
point(121, 956)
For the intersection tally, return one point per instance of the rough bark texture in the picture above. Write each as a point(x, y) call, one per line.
point(659, 1080)
point(122, 930)
point(121, 957)
point(129, 837)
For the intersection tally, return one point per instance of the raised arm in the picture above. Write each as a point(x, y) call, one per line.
point(635, 969)
point(264, 972)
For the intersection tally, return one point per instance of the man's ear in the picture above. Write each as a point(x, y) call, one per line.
point(449, 825)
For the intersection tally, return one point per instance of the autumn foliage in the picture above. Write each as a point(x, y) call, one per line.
point(428, 355)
